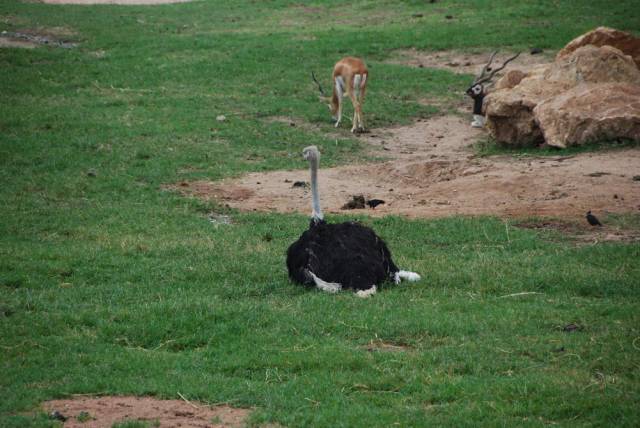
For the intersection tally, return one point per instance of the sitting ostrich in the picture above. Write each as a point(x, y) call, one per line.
point(344, 255)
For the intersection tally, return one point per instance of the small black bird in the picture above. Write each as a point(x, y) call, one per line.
point(56, 415)
point(374, 203)
point(593, 220)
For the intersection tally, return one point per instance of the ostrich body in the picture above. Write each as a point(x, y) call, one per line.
point(344, 255)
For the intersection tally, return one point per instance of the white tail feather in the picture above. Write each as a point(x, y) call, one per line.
point(329, 287)
point(405, 274)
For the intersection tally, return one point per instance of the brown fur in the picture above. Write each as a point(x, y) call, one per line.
point(347, 68)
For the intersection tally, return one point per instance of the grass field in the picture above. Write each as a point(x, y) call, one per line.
point(110, 285)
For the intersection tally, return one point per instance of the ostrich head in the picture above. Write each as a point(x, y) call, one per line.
point(311, 154)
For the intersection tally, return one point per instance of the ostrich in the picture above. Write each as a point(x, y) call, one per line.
point(344, 255)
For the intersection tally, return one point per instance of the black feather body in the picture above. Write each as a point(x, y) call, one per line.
point(346, 253)
point(593, 220)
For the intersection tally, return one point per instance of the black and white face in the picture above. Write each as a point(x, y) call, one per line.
point(474, 91)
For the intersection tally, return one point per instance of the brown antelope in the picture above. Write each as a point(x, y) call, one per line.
point(350, 78)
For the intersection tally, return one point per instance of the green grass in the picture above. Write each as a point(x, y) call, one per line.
point(490, 147)
point(110, 285)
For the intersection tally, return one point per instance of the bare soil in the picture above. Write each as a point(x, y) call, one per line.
point(12, 42)
point(121, 2)
point(30, 38)
point(382, 346)
point(468, 62)
point(100, 412)
point(433, 172)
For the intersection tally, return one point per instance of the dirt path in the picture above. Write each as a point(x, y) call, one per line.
point(434, 173)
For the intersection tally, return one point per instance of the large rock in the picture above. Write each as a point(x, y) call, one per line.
point(510, 80)
point(593, 64)
point(509, 110)
point(590, 112)
point(512, 116)
point(603, 36)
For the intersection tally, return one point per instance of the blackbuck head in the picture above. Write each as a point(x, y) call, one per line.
point(477, 87)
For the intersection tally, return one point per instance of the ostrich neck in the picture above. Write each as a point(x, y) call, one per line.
point(317, 211)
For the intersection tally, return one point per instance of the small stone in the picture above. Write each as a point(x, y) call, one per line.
point(221, 118)
point(571, 327)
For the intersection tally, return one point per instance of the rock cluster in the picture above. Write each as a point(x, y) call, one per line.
point(591, 92)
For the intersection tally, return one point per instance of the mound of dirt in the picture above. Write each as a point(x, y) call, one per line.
point(98, 412)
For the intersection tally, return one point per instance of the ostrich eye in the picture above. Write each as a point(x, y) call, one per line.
point(477, 89)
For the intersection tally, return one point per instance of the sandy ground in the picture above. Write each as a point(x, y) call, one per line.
point(434, 173)
point(100, 412)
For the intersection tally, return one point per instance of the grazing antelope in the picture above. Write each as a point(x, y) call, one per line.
point(350, 78)
point(476, 90)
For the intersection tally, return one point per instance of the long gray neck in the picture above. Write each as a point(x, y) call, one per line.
point(315, 201)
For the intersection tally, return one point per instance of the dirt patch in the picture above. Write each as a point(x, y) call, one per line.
point(433, 172)
point(467, 62)
point(31, 38)
point(98, 412)
point(11, 42)
point(120, 2)
point(382, 346)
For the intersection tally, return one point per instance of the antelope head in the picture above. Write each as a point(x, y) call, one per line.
point(477, 87)
point(323, 97)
